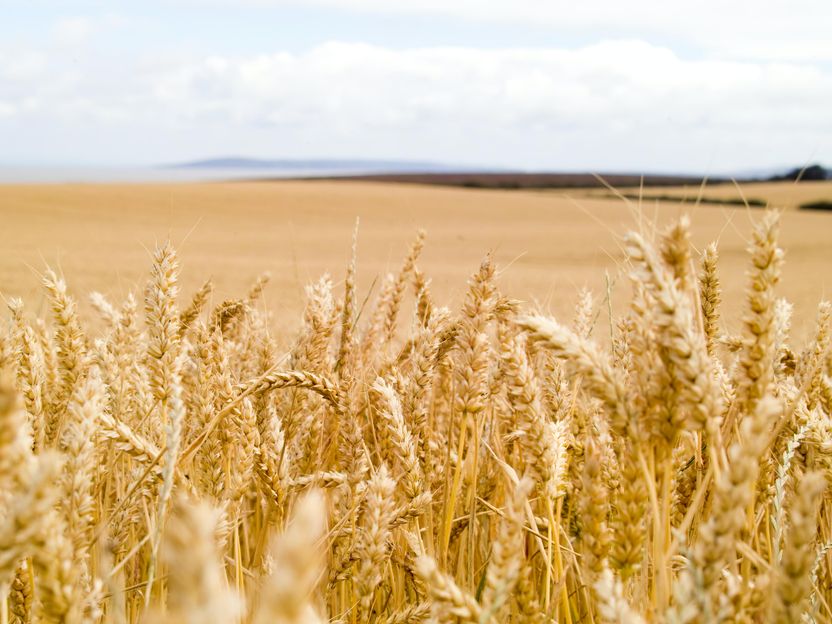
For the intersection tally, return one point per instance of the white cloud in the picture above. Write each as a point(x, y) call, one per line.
point(624, 104)
point(766, 30)
point(373, 86)
point(73, 30)
point(21, 65)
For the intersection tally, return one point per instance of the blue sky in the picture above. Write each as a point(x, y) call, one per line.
point(602, 85)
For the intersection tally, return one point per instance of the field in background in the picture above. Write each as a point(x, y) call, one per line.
point(786, 195)
point(549, 243)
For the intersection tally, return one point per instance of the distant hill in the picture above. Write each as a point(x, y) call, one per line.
point(334, 165)
point(426, 172)
point(810, 173)
point(521, 180)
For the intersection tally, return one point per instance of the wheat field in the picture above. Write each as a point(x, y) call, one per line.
point(549, 244)
point(427, 452)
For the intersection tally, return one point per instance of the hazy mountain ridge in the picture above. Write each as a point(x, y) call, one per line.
point(306, 164)
point(391, 166)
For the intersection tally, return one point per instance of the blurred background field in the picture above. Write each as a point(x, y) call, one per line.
point(548, 244)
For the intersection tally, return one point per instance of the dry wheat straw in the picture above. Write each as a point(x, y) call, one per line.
point(417, 463)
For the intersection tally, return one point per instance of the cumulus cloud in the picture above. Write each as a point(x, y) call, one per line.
point(596, 85)
point(21, 65)
point(608, 104)
point(73, 30)
point(742, 28)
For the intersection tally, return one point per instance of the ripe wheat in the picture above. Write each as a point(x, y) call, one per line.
point(491, 464)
